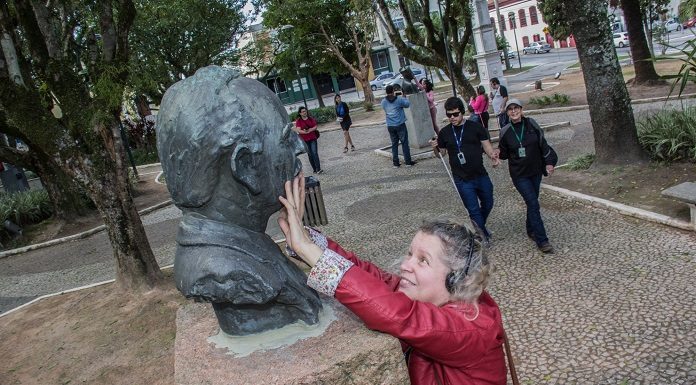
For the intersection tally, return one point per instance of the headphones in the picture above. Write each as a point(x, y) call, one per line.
point(455, 276)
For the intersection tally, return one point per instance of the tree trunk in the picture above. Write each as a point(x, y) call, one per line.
point(315, 84)
point(66, 196)
point(367, 90)
point(645, 69)
point(137, 268)
point(615, 135)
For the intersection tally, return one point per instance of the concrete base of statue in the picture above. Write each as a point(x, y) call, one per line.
point(418, 121)
point(339, 350)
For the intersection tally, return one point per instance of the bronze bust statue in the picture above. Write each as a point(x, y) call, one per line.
point(226, 150)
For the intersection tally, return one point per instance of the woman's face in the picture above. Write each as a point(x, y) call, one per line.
point(337, 99)
point(423, 271)
point(514, 112)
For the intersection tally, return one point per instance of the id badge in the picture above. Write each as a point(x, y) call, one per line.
point(461, 158)
point(521, 152)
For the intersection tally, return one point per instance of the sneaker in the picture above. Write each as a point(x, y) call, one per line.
point(352, 148)
point(396, 166)
point(320, 172)
point(546, 248)
point(410, 164)
point(345, 149)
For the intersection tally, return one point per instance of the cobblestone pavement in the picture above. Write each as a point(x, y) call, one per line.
point(614, 305)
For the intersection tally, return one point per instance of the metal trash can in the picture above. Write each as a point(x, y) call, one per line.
point(315, 211)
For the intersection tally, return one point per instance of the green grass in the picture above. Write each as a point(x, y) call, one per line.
point(24, 208)
point(556, 98)
point(513, 71)
point(582, 162)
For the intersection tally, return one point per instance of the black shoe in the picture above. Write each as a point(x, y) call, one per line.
point(396, 166)
point(320, 172)
point(546, 248)
point(410, 164)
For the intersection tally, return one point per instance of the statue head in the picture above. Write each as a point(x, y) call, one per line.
point(226, 146)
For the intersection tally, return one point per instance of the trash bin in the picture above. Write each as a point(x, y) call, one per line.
point(315, 211)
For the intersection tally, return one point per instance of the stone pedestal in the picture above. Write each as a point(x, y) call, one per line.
point(487, 56)
point(418, 121)
point(345, 353)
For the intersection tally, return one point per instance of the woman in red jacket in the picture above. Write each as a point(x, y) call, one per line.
point(450, 328)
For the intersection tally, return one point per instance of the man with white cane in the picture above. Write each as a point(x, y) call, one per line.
point(465, 142)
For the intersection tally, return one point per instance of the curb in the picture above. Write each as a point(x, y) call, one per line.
point(620, 208)
point(585, 106)
point(73, 237)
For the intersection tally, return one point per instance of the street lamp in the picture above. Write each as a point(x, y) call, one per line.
point(447, 52)
point(514, 32)
point(294, 61)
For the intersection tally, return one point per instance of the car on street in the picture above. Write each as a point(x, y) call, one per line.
point(511, 55)
point(378, 82)
point(672, 25)
point(536, 47)
point(621, 39)
point(690, 23)
point(417, 73)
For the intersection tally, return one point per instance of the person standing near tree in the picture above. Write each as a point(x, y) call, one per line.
point(465, 141)
point(480, 105)
point(306, 127)
point(343, 118)
point(499, 98)
point(393, 106)
point(529, 156)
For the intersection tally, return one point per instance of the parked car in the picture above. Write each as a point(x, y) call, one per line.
point(536, 47)
point(690, 23)
point(511, 55)
point(378, 82)
point(672, 25)
point(417, 73)
point(621, 39)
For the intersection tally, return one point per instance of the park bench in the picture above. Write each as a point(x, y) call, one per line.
point(684, 192)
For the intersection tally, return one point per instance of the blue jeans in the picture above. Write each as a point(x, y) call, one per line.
point(477, 195)
point(529, 189)
point(313, 154)
point(503, 119)
point(399, 134)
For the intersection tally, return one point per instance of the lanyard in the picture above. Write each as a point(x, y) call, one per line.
point(521, 135)
point(458, 140)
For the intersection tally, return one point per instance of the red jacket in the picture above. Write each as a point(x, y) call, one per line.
point(445, 348)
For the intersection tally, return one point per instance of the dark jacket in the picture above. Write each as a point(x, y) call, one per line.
point(538, 153)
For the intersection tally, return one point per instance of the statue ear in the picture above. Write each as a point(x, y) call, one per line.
point(243, 170)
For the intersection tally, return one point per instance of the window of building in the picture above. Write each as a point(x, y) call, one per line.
point(525, 41)
point(502, 22)
point(403, 62)
point(276, 85)
point(522, 17)
point(399, 23)
point(533, 17)
point(536, 37)
point(511, 18)
point(380, 61)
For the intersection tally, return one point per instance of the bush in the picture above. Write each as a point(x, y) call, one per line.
point(559, 99)
point(142, 156)
point(24, 208)
point(582, 162)
point(322, 114)
point(357, 104)
point(669, 135)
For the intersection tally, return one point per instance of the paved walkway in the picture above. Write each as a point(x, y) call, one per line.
point(615, 305)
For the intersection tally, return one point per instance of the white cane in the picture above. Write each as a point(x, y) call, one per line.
point(439, 155)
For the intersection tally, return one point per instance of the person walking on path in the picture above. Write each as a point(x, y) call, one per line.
point(529, 156)
point(499, 98)
point(480, 105)
point(306, 127)
point(343, 118)
point(427, 86)
point(393, 106)
point(465, 141)
point(450, 328)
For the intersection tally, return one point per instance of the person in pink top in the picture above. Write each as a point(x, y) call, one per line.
point(427, 86)
point(480, 105)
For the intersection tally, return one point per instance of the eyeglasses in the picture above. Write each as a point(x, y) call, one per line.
point(514, 108)
point(452, 114)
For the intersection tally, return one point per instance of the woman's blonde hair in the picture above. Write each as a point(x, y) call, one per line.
point(464, 254)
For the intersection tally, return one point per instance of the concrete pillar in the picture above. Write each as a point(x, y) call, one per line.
point(487, 55)
point(418, 122)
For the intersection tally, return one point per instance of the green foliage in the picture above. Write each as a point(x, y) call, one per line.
point(582, 162)
point(670, 135)
point(687, 9)
point(555, 15)
point(142, 156)
point(172, 39)
point(321, 115)
point(558, 99)
point(687, 71)
point(24, 208)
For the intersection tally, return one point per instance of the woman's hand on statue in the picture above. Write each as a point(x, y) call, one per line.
point(290, 221)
